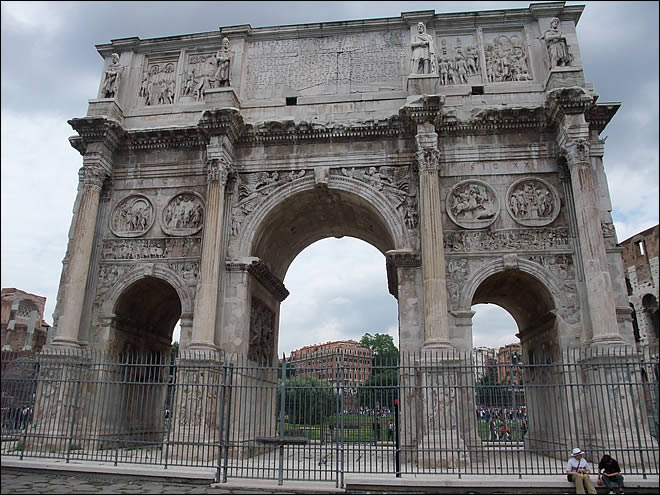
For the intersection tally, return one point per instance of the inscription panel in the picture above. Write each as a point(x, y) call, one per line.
point(326, 65)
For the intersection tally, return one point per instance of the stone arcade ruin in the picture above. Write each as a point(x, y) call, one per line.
point(465, 147)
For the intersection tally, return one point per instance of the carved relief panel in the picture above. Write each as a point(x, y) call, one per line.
point(507, 57)
point(532, 202)
point(183, 215)
point(158, 84)
point(132, 216)
point(472, 204)
point(262, 328)
point(254, 188)
point(459, 61)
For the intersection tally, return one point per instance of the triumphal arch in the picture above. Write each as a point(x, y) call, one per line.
point(465, 147)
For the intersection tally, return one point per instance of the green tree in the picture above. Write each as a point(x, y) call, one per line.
point(382, 387)
point(383, 348)
point(307, 400)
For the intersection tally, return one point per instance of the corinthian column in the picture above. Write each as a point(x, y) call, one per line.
point(600, 295)
point(91, 176)
point(203, 329)
point(436, 329)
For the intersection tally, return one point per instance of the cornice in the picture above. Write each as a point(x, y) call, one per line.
point(151, 139)
point(284, 131)
point(421, 110)
point(224, 121)
point(96, 130)
point(569, 101)
point(259, 270)
point(504, 119)
point(600, 114)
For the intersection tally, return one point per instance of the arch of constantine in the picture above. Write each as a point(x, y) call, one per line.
point(465, 147)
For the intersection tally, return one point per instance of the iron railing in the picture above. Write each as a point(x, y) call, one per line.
point(331, 414)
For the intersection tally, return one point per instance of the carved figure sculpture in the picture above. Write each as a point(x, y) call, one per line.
point(111, 78)
point(555, 42)
point(423, 52)
point(222, 61)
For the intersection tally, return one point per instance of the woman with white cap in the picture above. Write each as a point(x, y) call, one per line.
point(577, 470)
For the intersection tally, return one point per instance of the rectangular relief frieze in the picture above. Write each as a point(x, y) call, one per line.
point(459, 60)
point(464, 241)
point(135, 249)
point(159, 81)
point(507, 57)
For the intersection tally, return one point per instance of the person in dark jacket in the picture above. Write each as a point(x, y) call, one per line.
point(609, 474)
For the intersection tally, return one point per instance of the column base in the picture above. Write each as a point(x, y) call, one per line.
point(201, 350)
point(608, 340)
point(438, 344)
point(63, 343)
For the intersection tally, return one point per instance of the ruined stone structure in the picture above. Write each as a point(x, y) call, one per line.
point(22, 324)
point(640, 261)
point(464, 147)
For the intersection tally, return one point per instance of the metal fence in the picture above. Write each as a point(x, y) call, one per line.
point(329, 415)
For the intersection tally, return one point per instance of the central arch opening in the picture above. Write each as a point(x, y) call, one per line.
point(335, 226)
point(338, 292)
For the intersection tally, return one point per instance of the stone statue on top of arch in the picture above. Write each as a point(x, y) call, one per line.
point(423, 59)
point(222, 60)
point(557, 46)
point(111, 78)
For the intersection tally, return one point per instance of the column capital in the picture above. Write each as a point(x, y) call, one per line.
point(218, 170)
point(428, 159)
point(93, 174)
point(576, 153)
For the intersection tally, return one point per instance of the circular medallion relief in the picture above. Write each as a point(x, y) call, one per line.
point(132, 217)
point(183, 215)
point(472, 204)
point(532, 202)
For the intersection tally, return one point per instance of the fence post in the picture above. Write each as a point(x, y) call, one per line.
point(75, 405)
point(226, 454)
point(124, 368)
point(397, 450)
point(170, 408)
point(280, 470)
point(222, 419)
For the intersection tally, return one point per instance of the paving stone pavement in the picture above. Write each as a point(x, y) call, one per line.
point(36, 481)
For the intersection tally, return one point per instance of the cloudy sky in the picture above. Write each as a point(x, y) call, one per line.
point(50, 69)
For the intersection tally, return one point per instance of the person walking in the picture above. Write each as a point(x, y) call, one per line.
point(577, 471)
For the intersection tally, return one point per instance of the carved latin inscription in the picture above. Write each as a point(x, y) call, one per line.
point(532, 202)
point(132, 217)
point(183, 215)
point(321, 65)
point(472, 204)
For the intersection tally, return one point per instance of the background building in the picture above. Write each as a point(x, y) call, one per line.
point(640, 261)
point(324, 361)
point(507, 356)
point(483, 361)
point(21, 321)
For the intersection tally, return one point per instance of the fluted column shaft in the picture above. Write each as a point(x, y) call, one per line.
point(91, 176)
point(600, 294)
point(436, 328)
point(206, 299)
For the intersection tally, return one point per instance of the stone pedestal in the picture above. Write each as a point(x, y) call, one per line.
point(422, 84)
point(221, 98)
point(448, 412)
point(196, 412)
point(564, 77)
